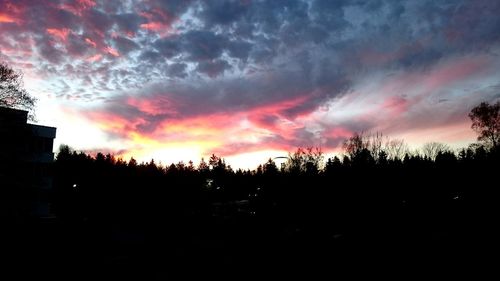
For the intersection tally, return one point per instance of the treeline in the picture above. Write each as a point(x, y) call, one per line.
point(364, 202)
point(370, 177)
point(377, 200)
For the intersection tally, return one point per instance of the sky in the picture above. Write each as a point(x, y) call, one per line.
point(248, 80)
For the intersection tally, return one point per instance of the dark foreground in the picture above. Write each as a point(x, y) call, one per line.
point(117, 220)
point(247, 246)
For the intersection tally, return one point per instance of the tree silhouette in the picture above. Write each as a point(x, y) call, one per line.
point(355, 145)
point(376, 144)
point(203, 166)
point(332, 164)
point(358, 199)
point(270, 167)
point(396, 149)
point(132, 163)
point(305, 160)
point(432, 149)
point(12, 92)
point(360, 150)
point(486, 122)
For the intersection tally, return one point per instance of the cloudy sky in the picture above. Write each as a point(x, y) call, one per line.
point(247, 80)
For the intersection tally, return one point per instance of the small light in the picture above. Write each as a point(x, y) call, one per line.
point(74, 185)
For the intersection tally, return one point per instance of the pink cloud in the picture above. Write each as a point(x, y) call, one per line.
point(77, 7)
point(90, 42)
point(94, 58)
point(12, 13)
point(244, 130)
point(61, 34)
point(158, 20)
point(338, 132)
point(111, 51)
point(154, 26)
point(395, 105)
point(159, 105)
point(422, 101)
point(456, 71)
point(114, 123)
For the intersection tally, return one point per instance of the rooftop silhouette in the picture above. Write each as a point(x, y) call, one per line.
point(26, 151)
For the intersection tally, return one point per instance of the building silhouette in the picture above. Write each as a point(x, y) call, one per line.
point(26, 155)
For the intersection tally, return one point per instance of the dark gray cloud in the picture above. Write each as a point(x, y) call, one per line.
point(241, 55)
point(213, 68)
point(76, 45)
point(128, 22)
point(49, 52)
point(222, 12)
point(125, 45)
point(203, 45)
point(169, 47)
point(98, 20)
point(177, 70)
point(258, 34)
point(239, 49)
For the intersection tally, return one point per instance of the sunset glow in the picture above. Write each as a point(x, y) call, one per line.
point(251, 80)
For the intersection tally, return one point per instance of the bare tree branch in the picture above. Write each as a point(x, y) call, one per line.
point(12, 92)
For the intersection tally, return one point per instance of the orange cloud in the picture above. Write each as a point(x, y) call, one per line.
point(4, 18)
point(114, 124)
point(94, 58)
point(11, 13)
point(61, 34)
point(224, 133)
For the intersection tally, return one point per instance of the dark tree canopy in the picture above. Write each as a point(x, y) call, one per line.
point(355, 145)
point(486, 122)
point(305, 160)
point(12, 92)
